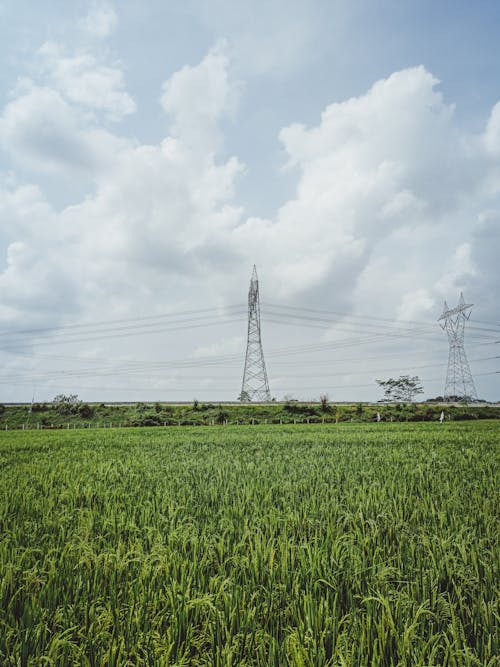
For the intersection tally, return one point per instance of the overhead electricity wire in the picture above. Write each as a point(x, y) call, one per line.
point(323, 323)
point(129, 333)
point(366, 318)
point(140, 371)
point(201, 389)
point(215, 359)
point(130, 320)
point(375, 330)
point(279, 311)
point(179, 322)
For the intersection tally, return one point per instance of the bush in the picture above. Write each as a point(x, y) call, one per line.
point(85, 411)
point(221, 416)
point(150, 419)
point(39, 407)
point(301, 408)
point(464, 415)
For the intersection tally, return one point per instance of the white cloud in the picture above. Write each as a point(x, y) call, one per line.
point(199, 97)
point(482, 261)
point(457, 271)
point(372, 165)
point(224, 346)
point(100, 21)
point(156, 210)
point(23, 208)
point(37, 285)
point(54, 121)
point(383, 218)
point(86, 82)
point(417, 305)
point(374, 176)
point(491, 136)
point(384, 214)
point(41, 130)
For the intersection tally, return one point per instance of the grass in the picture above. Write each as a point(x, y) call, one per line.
point(349, 545)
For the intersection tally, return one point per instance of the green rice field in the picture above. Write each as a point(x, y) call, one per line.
point(345, 545)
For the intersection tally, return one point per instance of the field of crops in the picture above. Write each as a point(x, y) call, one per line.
point(351, 545)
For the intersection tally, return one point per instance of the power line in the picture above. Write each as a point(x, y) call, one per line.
point(131, 320)
point(278, 311)
point(375, 330)
point(204, 317)
point(130, 332)
point(368, 330)
point(366, 318)
point(198, 389)
point(139, 370)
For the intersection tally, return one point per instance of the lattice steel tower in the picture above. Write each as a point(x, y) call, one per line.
point(255, 386)
point(459, 381)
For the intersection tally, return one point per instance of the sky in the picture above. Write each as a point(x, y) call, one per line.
point(151, 153)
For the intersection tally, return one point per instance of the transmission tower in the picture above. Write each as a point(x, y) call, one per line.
point(459, 381)
point(255, 386)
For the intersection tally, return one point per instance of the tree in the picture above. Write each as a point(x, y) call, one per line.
point(404, 388)
point(70, 399)
point(324, 402)
point(66, 404)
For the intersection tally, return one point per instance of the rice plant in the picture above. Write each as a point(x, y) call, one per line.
point(330, 545)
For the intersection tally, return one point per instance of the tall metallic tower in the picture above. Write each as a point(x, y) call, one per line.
point(255, 386)
point(459, 382)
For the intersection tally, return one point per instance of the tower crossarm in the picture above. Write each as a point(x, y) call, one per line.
point(460, 309)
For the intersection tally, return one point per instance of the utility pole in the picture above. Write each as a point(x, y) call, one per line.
point(459, 381)
point(255, 386)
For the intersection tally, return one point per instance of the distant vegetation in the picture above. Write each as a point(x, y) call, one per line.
point(64, 413)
